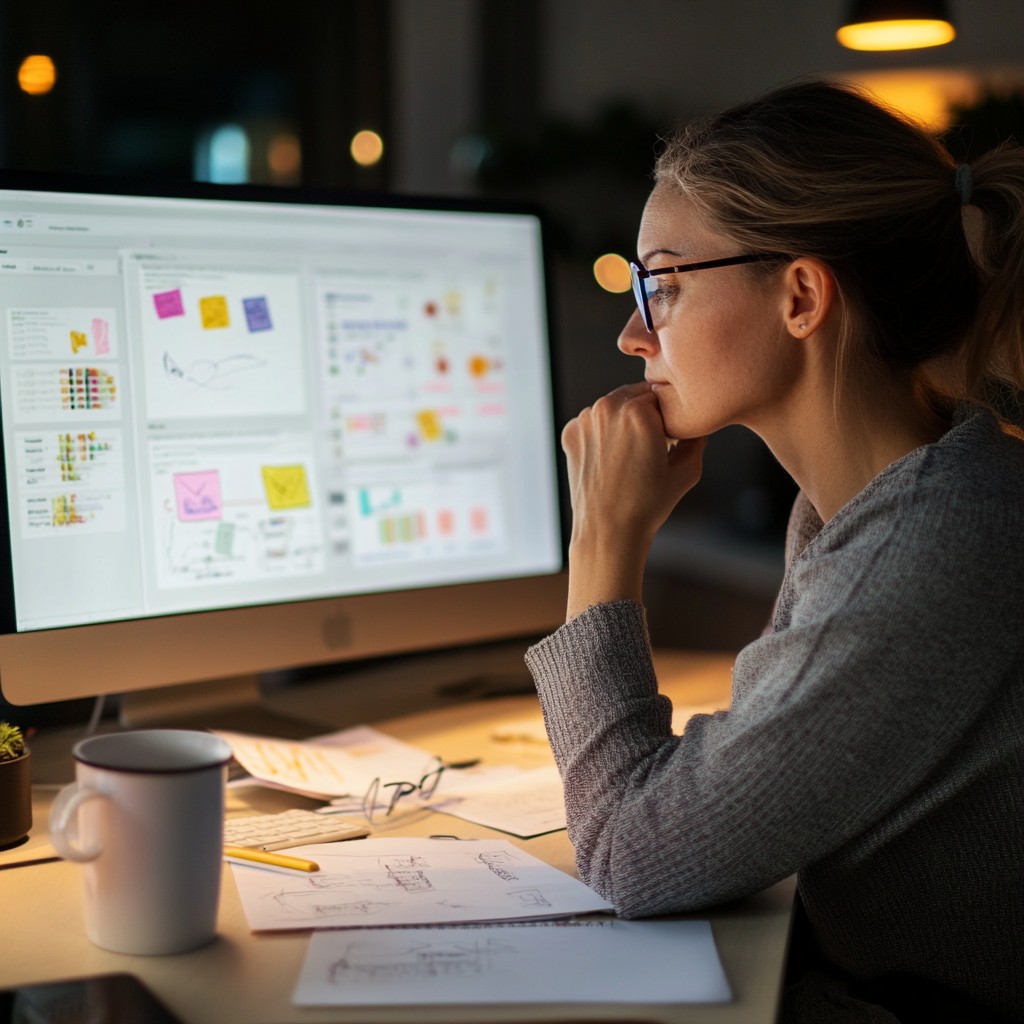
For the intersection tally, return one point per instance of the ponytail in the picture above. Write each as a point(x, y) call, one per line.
point(994, 350)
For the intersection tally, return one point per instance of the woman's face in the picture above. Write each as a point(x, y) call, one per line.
point(719, 353)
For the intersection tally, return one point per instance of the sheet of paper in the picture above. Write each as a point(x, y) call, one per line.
point(526, 803)
point(570, 962)
point(369, 882)
point(337, 764)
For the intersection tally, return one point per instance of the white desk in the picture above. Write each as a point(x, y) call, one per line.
point(247, 978)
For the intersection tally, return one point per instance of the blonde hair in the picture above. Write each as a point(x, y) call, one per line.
point(819, 169)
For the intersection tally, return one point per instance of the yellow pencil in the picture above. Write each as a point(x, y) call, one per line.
point(277, 860)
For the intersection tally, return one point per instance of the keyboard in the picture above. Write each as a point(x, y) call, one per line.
point(289, 828)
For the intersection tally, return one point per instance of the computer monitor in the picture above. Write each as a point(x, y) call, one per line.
point(250, 429)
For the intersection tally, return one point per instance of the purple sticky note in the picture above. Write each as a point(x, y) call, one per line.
point(169, 304)
point(198, 495)
point(257, 313)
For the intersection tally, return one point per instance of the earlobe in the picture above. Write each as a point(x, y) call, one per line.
point(810, 290)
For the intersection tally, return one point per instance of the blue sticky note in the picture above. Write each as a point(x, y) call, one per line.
point(257, 313)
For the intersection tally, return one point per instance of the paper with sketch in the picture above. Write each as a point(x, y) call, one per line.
point(526, 803)
point(411, 881)
point(567, 962)
point(337, 764)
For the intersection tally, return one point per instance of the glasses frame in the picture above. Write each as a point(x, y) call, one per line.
point(426, 788)
point(638, 274)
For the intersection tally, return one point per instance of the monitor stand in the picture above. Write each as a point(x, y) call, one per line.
point(301, 704)
point(236, 704)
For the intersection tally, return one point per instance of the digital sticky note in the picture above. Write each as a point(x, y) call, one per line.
point(197, 495)
point(169, 304)
point(257, 313)
point(100, 336)
point(286, 486)
point(213, 312)
point(430, 425)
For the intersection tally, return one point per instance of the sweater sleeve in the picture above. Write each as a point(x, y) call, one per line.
point(882, 657)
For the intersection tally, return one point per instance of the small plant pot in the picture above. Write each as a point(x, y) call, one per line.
point(15, 799)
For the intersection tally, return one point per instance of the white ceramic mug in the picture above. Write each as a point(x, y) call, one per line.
point(146, 818)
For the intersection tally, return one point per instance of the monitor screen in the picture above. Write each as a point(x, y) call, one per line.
point(251, 429)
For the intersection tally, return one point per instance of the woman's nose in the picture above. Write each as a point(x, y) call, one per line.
point(635, 339)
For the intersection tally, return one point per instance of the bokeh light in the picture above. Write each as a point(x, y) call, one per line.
point(612, 273)
point(284, 158)
point(37, 74)
point(367, 148)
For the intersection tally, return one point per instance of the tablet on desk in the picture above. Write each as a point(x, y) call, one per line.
point(101, 999)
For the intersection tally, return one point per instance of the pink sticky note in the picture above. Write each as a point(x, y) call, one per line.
point(198, 495)
point(169, 303)
point(100, 336)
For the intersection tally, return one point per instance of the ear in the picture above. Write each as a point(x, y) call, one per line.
point(809, 295)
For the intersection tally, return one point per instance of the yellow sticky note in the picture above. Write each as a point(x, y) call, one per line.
point(286, 486)
point(213, 311)
point(430, 425)
point(78, 341)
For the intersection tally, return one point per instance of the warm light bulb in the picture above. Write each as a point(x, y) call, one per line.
point(612, 273)
point(902, 34)
point(367, 148)
point(37, 75)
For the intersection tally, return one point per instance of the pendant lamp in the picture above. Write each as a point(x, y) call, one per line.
point(896, 25)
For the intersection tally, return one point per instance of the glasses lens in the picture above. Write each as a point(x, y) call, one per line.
point(640, 294)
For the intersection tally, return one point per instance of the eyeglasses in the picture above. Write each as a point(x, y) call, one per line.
point(425, 788)
point(639, 276)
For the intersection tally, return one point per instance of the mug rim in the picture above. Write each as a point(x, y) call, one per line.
point(218, 755)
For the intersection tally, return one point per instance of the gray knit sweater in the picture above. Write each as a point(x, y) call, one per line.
point(874, 744)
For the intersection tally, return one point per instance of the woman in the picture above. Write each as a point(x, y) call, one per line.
point(805, 271)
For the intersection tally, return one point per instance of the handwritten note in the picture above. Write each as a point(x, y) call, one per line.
point(598, 961)
point(411, 881)
point(524, 803)
point(338, 764)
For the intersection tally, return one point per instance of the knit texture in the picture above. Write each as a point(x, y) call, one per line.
point(874, 744)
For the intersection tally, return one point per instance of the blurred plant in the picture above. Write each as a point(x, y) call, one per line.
point(12, 743)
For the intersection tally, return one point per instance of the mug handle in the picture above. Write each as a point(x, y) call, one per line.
point(64, 822)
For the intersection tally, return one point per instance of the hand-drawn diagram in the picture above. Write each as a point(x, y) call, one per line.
point(581, 961)
point(410, 881)
point(213, 374)
point(420, 956)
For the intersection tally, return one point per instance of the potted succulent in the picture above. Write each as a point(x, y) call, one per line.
point(15, 786)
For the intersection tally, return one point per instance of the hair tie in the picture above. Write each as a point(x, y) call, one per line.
point(964, 183)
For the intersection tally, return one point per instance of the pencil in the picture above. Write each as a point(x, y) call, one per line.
point(277, 860)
